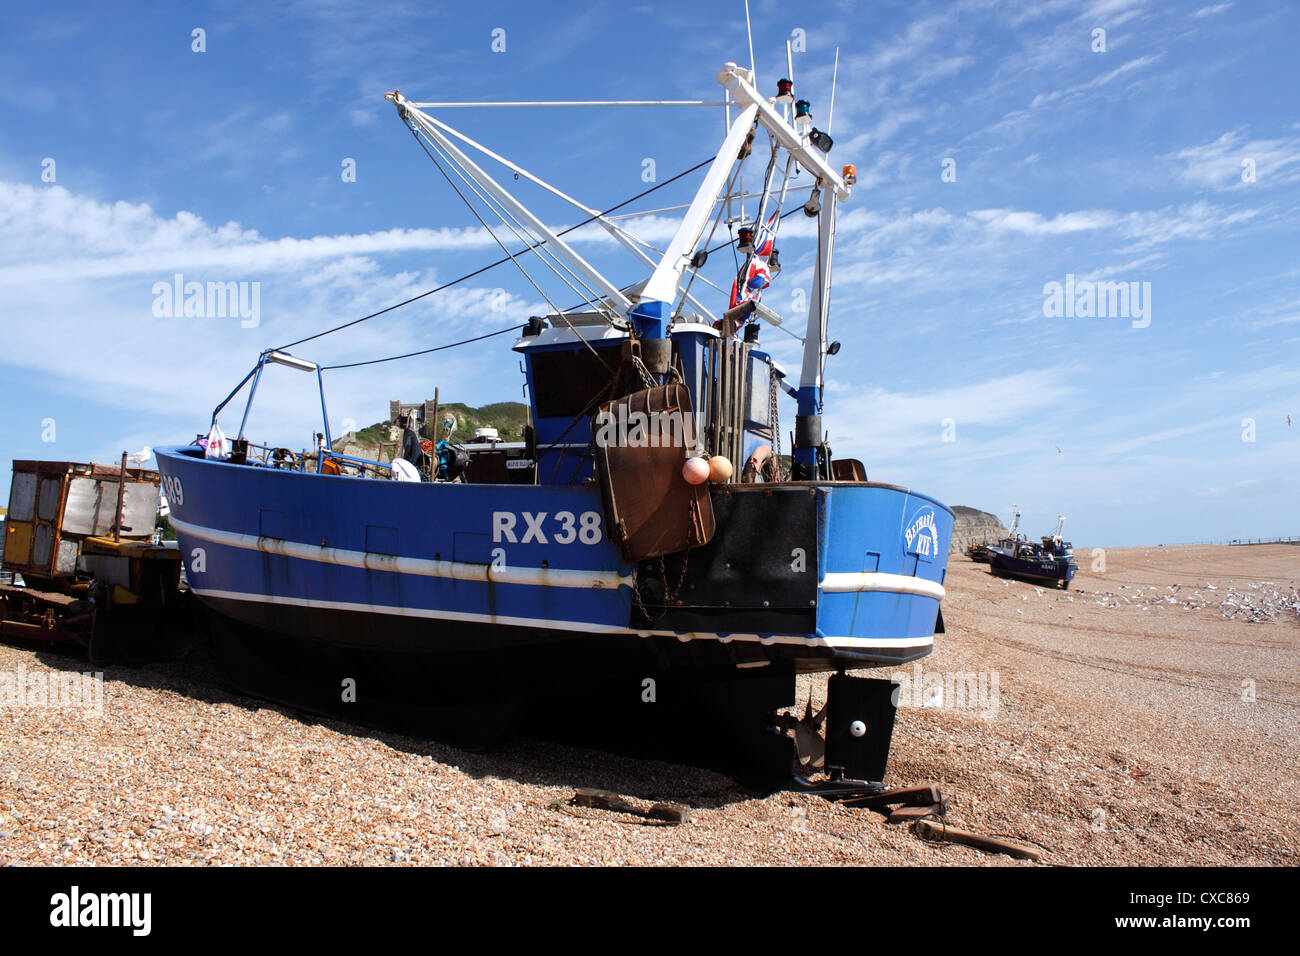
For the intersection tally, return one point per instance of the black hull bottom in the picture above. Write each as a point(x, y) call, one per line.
point(1024, 571)
point(532, 651)
point(625, 695)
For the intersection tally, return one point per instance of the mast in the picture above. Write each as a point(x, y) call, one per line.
point(808, 435)
point(652, 314)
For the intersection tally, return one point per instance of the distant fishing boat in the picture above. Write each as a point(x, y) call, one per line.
point(984, 551)
point(672, 573)
point(1051, 561)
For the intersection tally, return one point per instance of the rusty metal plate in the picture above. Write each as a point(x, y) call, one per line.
point(848, 469)
point(92, 506)
point(18, 543)
point(89, 507)
point(640, 442)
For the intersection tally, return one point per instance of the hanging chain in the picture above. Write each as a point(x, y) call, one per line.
point(647, 379)
point(774, 415)
point(670, 596)
point(673, 374)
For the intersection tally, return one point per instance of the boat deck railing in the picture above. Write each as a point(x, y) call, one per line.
point(269, 456)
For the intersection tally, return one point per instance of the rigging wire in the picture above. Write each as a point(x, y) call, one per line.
point(705, 279)
point(491, 265)
point(439, 348)
point(554, 308)
point(523, 233)
point(621, 235)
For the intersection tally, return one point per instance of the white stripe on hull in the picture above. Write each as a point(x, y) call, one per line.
point(581, 626)
point(420, 567)
point(840, 582)
point(833, 583)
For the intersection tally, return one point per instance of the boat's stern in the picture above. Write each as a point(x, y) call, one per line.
point(826, 575)
point(881, 568)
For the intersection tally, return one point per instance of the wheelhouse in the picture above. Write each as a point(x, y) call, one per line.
point(571, 363)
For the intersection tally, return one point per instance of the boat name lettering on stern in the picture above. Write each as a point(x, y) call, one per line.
point(921, 536)
point(584, 528)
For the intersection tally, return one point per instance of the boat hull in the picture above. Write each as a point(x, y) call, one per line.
point(1047, 571)
point(317, 578)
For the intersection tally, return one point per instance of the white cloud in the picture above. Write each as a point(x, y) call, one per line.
point(886, 424)
point(1102, 79)
point(1219, 164)
point(1035, 224)
point(1210, 10)
point(1197, 220)
point(47, 234)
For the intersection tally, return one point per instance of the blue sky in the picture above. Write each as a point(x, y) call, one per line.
point(1122, 164)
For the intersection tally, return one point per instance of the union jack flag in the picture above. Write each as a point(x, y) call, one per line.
point(759, 276)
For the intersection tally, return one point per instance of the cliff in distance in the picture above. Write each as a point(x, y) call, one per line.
point(973, 526)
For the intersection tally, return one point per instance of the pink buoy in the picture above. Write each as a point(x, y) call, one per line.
point(720, 469)
point(695, 471)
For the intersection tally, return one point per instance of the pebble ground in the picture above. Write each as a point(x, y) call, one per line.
point(1122, 732)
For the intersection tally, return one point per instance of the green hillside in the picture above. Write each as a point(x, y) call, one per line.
point(508, 418)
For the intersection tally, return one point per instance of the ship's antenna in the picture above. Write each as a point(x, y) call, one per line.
point(726, 128)
point(753, 73)
point(789, 73)
point(830, 115)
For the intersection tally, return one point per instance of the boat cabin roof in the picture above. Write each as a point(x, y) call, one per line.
point(593, 326)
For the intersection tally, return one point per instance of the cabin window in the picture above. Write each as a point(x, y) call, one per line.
point(564, 383)
point(22, 496)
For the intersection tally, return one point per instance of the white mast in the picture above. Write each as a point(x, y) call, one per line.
point(754, 107)
point(819, 306)
point(662, 286)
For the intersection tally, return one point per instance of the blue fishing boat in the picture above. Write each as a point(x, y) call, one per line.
point(656, 574)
